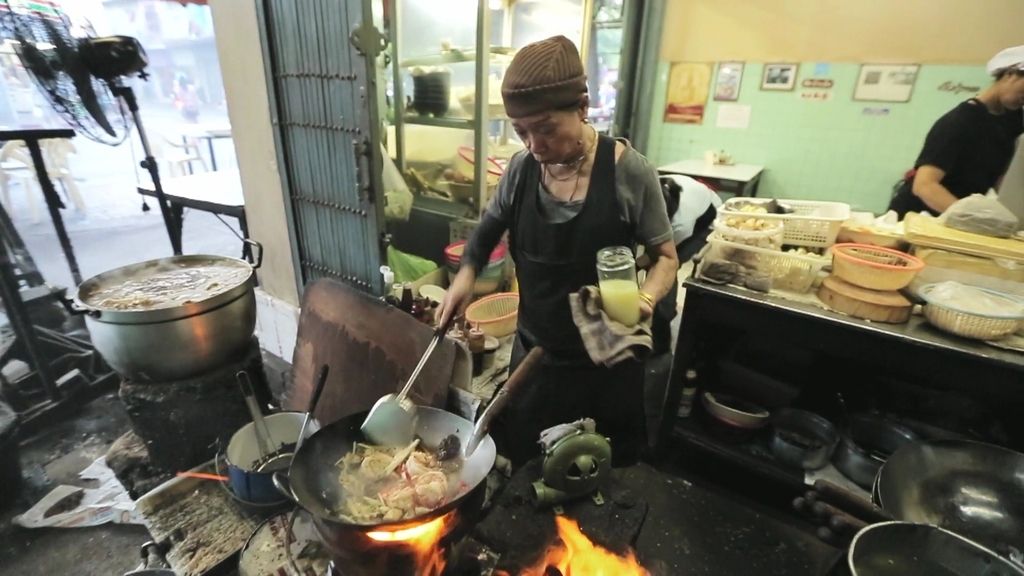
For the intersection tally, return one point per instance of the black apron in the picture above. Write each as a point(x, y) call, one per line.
point(553, 260)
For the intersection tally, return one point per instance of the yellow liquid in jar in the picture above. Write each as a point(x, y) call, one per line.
point(621, 300)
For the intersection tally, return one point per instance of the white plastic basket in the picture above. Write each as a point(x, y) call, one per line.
point(812, 224)
point(788, 271)
point(769, 239)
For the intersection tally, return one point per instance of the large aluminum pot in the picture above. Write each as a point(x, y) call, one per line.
point(172, 342)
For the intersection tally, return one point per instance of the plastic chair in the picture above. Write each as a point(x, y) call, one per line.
point(16, 162)
point(55, 153)
point(179, 155)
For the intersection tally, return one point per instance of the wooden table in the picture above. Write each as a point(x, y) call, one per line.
point(732, 180)
point(208, 132)
point(213, 192)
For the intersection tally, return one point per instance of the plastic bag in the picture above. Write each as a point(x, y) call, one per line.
point(981, 215)
point(397, 197)
point(408, 268)
point(972, 300)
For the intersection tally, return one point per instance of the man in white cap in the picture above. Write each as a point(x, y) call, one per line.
point(969, 149)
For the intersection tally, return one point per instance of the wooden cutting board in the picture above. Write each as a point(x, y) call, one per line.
point(874, 305)
point(924, 231)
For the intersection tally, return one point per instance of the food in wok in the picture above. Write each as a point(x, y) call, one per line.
point(387, 484)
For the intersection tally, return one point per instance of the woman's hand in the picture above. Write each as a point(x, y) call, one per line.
point(646, 311)
point(458, 295)
point(646, 305)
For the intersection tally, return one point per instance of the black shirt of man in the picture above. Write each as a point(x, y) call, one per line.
point(972, 146)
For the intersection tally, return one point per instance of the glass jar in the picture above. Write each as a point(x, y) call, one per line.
point(616, 278)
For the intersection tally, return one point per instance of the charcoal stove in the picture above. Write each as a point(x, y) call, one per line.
point(183, 421)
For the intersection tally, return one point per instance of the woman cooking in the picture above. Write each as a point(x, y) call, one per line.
point(969, 149)
point(571, 193)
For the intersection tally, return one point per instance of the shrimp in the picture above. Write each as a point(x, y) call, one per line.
point(431, 488)
point(400, 496)
point(420, 463)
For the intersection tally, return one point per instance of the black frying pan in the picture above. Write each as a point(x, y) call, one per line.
point(312, 480)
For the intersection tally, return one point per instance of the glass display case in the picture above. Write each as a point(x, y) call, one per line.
point(448, 134)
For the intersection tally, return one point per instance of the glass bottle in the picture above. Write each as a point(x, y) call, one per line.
point(616, 278)
point(689, 394)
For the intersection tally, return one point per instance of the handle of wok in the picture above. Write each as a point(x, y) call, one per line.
point(514, 383)
point(284, 485)
point(850, 502)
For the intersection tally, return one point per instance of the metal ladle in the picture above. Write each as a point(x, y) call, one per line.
point(392, 419)
point(282, 460)
point(264, 441)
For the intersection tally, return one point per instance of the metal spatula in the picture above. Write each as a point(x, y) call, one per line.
point(392, 420)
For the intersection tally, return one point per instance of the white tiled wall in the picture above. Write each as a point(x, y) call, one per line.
point(277, 325)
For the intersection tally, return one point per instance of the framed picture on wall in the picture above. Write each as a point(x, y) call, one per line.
point(779, 76)
point(689, 84)
point(886, 82)
point(727, 81)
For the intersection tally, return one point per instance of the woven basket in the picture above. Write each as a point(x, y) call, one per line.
point(874, 267)
point(497, 315)
point(967, 324)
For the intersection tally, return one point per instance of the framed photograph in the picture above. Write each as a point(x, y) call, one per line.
point(779, 76)
point(886, 82)
point(689, 84)
point(727, 81)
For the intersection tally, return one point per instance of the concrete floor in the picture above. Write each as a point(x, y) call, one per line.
point(56, 456)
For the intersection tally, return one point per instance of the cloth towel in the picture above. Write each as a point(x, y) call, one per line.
point(607, 342)
point(551, 436)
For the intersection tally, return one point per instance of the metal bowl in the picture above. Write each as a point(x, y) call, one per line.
point(869, 440)
point(905, 549)
point(735, 411)
point(803, 439)
point(971, 488)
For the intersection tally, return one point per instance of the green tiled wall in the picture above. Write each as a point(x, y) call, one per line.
point(823, 150)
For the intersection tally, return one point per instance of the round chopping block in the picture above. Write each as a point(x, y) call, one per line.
point(10, 462)
point(184, 422)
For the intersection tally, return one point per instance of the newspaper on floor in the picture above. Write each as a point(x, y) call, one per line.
point(73, 506)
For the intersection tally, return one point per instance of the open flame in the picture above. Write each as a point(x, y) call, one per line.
point(422, 541)
point(576, 555)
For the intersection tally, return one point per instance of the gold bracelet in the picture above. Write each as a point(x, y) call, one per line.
point(647, 298)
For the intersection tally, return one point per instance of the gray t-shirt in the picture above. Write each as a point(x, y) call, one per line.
point(636, 185)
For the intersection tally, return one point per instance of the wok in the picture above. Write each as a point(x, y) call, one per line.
point(905, 549)
point(312, 479)
point(971, 488)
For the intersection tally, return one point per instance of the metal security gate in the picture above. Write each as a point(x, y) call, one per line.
point(319, 57)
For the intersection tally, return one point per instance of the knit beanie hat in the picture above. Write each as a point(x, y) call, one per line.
point(546, 75)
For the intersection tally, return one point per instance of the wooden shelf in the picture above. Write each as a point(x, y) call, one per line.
point(443, 122)
point(454, 56)
point(753, 455)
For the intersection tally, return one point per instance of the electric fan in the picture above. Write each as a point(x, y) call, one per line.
point(83, 78)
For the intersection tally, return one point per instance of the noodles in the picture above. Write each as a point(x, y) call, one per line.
point(165, 287)
point(373, 494)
